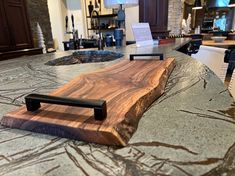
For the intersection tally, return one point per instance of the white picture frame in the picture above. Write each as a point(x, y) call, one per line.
point(142, 34)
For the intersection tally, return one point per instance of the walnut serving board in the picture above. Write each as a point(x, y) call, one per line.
point(128, 87)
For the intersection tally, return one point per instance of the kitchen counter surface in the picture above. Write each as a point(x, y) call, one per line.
point(190, 130)
point(224, 43)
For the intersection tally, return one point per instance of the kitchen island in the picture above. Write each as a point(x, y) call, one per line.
point(189, 130)
point(225, 43)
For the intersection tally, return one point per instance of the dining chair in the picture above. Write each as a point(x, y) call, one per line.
point(231, 86)
point(213, 57)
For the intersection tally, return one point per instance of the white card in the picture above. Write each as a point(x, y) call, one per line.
point(142, 34)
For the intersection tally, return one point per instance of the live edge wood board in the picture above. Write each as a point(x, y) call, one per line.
point(129, 88)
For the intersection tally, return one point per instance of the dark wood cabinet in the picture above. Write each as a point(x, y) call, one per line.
point(4, 33)
point(155, 12)
point(14, 26)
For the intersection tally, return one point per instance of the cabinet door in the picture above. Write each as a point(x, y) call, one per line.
point(18, 24)
point(5, 42)
point(155, 12)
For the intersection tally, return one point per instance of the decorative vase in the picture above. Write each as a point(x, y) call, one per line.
point(41, 41)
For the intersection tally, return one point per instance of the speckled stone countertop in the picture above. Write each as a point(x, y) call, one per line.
point(190, 130)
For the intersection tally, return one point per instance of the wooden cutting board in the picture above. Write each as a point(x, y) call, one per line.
point(128, 87)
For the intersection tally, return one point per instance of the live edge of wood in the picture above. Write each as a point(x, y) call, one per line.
point(129, 88)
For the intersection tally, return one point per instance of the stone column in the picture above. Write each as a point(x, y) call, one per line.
point(175, 15)
point(38, 12)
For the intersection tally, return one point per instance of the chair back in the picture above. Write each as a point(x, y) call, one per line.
point(231, 86)
point(213, 57)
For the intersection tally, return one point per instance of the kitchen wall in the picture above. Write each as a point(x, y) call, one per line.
point(57, 11)
point(132, 16)
point(38, 12)
point(76, 8)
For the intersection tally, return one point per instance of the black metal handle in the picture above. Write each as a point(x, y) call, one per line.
point(100, 110)
point(154, 54)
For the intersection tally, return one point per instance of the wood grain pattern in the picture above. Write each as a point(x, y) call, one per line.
point(129, 88)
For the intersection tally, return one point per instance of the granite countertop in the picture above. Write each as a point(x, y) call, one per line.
point(190, 130)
